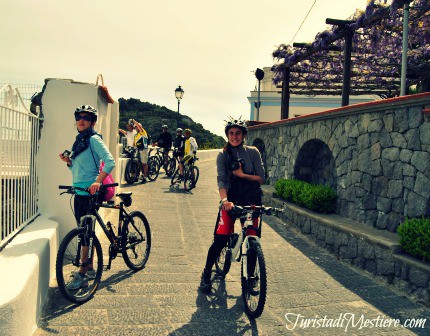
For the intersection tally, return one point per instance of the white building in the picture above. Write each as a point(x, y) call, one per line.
point(270, 98)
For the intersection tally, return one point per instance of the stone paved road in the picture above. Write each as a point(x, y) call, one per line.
point(163, 298)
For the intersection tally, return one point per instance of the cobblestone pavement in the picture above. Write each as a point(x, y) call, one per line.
point(163, 299)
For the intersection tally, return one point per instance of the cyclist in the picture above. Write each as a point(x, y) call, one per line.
point(84, 160)
point(240, 175)
point(129, 133)
point(179, 145)
point(190, 149)
point(164, 141)
point(141, 142)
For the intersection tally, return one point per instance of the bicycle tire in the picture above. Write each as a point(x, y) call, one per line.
point(171, 167)
point(175, 177)
point(191, 178)
point(132, 171)
point(223, 262)
point(68, 263)
point(136, 233)
point(159, 162)
point(253, 299)
point(153, 169)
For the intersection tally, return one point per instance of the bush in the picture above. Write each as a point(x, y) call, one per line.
point(279, 187)
point(415, 237)
point(315, 197)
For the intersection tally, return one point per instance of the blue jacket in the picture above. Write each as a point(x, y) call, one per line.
point(85, 166)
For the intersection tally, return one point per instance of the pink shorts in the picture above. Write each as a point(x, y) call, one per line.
point(225, 225)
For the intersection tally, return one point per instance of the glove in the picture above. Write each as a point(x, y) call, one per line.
point(194, 152)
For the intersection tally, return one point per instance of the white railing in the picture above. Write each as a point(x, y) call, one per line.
point(19, 136)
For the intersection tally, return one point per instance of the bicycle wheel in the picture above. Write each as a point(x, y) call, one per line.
point(69, 260)
point(159, 161)
point(254, 289)
point(191, 177)
point(171, 166)
point(132, 171)
point(175, 177)
point(153, 168)
point(136, 241)
point(223, 263)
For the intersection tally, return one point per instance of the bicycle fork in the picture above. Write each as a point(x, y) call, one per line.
point(88, 223)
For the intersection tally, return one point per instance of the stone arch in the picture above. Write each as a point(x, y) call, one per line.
point(315, 164)
point(259, 143)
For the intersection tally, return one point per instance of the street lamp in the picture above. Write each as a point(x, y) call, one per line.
point(179, 93)
point(259, 74)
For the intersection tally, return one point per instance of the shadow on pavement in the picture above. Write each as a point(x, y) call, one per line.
point(217, 314)
point(380, 295)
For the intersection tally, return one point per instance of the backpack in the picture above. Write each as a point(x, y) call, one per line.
point(110, 191)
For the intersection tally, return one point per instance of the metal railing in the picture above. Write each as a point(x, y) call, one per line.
point(19, 137)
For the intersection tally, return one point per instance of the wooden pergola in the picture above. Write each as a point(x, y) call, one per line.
point(361, 55)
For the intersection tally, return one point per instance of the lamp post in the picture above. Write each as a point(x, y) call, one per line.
point(259, 74)
point(179, 93)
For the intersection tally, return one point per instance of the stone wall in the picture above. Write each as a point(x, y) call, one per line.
point(375, 155)
point(375, 251)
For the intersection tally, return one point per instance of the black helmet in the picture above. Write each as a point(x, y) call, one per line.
point(236, 123)
point(87, 109)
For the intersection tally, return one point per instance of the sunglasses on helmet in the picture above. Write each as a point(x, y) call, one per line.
point(85, 117)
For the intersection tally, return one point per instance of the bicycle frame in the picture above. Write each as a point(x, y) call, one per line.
point(80, 255)
point(88, 222)
point(240, 250)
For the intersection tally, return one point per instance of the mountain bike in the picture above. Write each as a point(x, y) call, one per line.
point(172, 163)
point(133, 167)
point(246, 249)
point(159, 157)
point(81, 251)
point(191, 174)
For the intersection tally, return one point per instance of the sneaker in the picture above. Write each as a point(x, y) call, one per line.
point(91, 273)
point(77, 282)
point(180, 178)
point(205, 283)
point(143, 180)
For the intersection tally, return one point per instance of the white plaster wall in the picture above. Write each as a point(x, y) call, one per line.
point(60, 99)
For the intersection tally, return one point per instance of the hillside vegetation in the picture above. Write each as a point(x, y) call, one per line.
point(152, 117)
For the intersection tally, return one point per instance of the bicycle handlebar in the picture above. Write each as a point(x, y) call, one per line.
point(71, 189)
point(245, 209)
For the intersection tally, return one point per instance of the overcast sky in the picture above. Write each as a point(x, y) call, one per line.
point(146, 48)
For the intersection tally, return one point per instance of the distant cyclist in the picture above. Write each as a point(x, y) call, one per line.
point(240, 175)
point(129, 133)
point(141, 142)
point(164, 141)
point(179, 145)
point(190, 149)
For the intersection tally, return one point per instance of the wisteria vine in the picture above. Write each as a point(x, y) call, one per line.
point(376, 53)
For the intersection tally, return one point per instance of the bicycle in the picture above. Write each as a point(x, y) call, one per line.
point(81, 247)
point(133, 167)
point(191, 174)
point(247, 250)
point(172, 163)
point(159, 157)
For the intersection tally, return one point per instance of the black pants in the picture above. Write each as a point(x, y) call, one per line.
point(82, 207)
